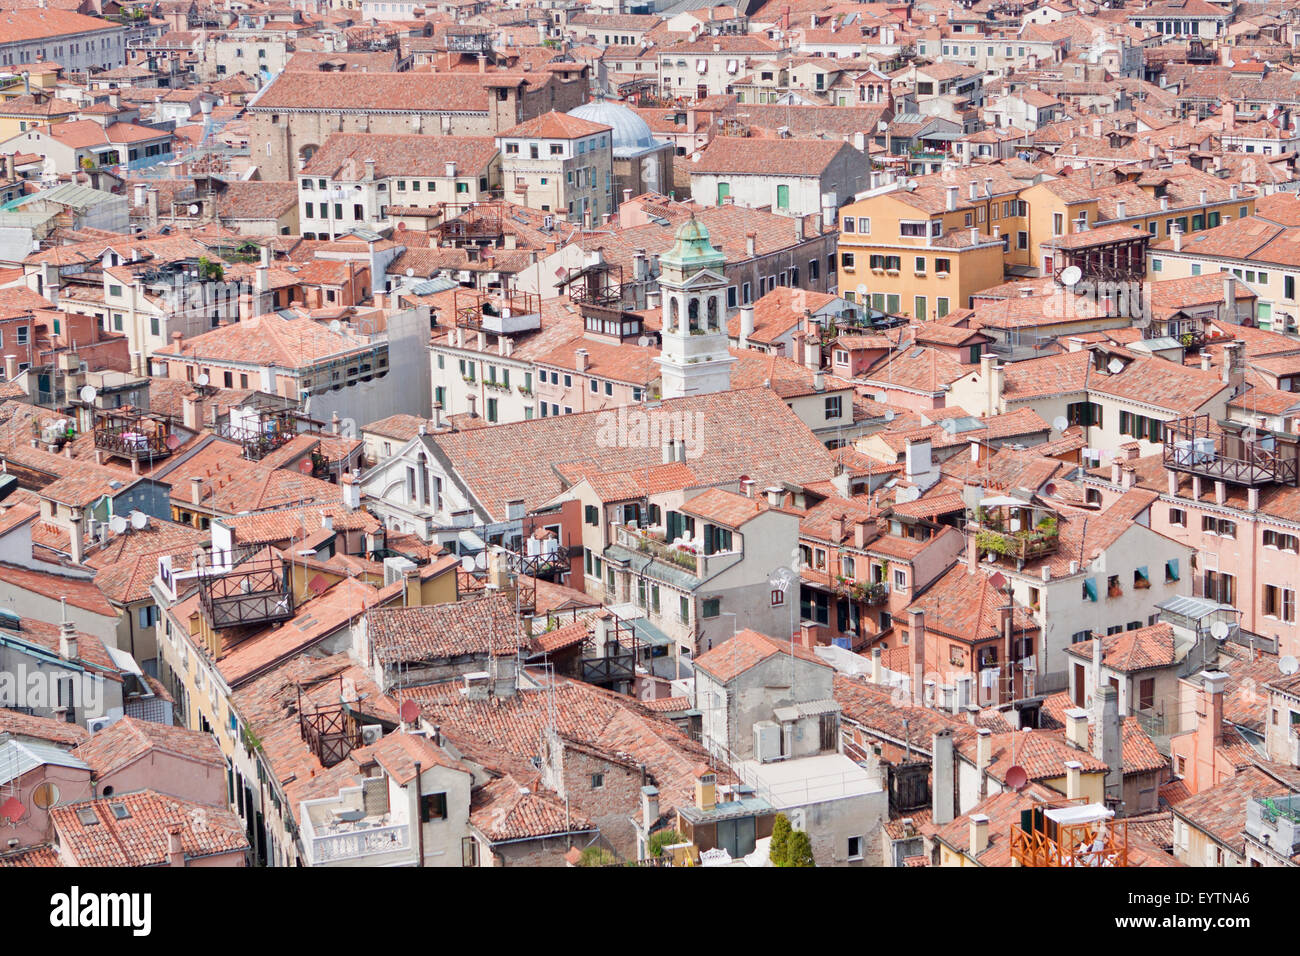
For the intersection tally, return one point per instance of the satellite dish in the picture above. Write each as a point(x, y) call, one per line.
point(1016, 777)
point(202, 380)
point(1049, 488)
point(1288, 665)
point(194, 209)
point(88, 393)
point(997, 580)
point(172, 442)
point(467, 563)
point(410, 273)
point(12, 810)
point(643, 341)
point(409, 711)
point(139, 520)
point(117, 524)
point(336, 326)
point(1070, 276)
point(889, 415)
point(1219, 630)
point(1060, 423)
point(1114, 366)
point(480, 560)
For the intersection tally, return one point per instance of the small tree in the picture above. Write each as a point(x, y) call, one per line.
point(779, 847)
point(660, 839)
point(799, 850)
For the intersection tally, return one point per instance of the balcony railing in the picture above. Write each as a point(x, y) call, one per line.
point(1196, 445)
point(131, 442)
point(641, 541)
point(252, 593)
point(870, 594)
point(1020, 545)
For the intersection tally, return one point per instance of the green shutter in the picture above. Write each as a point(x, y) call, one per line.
point(1090, 588)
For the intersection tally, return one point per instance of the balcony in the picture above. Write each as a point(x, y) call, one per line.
point(1070, 834)
point(342, 830)
point(644, 542)
point(256, 592)
point(869, 593)
point(1016, 529)
point(1230, 452)
point(134, 436)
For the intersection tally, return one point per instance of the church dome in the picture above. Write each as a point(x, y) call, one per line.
point(631, 132)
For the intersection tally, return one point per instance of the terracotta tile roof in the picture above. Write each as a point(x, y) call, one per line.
point(874, 708)
point(398, 92)
point(503, 810)
point(141, 839)
point(43, 855)
point(736, 155)
point(128, 739)
point(487, 626)
point(25, 726)
point(749, 648)
point(1220, 811)
point(726, 508)
point(1128, 651)
point(554, 125)
point(271, 339)
point(503, 462)
point(506, 733)
point(343, 156)
point(964, 606)
point(639, 482)
point(1003, 810)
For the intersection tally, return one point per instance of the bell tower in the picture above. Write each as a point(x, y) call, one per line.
point(694, 359)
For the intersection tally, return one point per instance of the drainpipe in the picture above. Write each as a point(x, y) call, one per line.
point(419, 823)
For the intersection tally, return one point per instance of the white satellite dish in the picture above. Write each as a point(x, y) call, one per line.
point(1115, 366)
point(88, 393)
point(1060, 423)
point(410, 273)
point(1070, 276)
point(1288, 665)
point(117, 524)
point(480, 560)
point(139, 520)
point(889, 414)
point(1219, 631)
point(194, 209)
point(336, 326)
point(467, 563)
point(643, 341)
point(202, 380)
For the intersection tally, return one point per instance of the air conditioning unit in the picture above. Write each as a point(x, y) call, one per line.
point(370, 734)
point(96, 724)
point(767, 741)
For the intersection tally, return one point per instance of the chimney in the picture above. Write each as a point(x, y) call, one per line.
point(351, 491)
point(751, 244)
point(918, 456)
point(1211, 713)
point(916, 637)
point(979, 834)
point(580, 357)
point(1073, 779)
point(942, 771)
point(1204, 196)
point(1177, 235)
point(1106, 739)
point(1076, 727)
point(451, 169)
point(974, 189)
point(706, 789)
point(877, 666)
point(983, 749)
point(67, 635)
point(775, 495)
point(1119, 209)
point(175, 851)
point(11, 367)
point(196, 490)
point(861, 532)
point(75, 538)
point(1229, 305)
point(746, 325)
point(951, 203)
point(649, 808)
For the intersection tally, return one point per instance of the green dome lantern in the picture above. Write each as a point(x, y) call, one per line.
point(692, 250)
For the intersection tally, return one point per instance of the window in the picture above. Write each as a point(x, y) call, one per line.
point(919, 266)
point(942, 266)
point(1171, 570)
point(846, 260)
point(1177, 516)
point(1280, 541)
point(834, 407)
point(433, 806)
point(710, 608)
point(1279, 602)
point(778, 597)
point(855, 848)
point(1218, 526)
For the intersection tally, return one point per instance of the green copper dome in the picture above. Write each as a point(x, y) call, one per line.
point(692, 250)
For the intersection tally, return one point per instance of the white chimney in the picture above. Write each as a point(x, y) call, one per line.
point(979, 834)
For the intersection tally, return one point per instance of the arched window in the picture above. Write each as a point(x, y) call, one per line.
point(713, 313)
point(693, 313)
point(674, 313)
